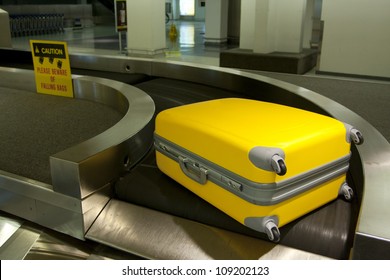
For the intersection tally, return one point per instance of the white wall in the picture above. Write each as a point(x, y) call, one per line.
point(356, 37)
point(145, 26)
point(5, 34)
point(216, 21)
point(308, 25)
point(289, 19)
point(247, 27)
point(272, 25)
point(265, 27)
point(200, 12)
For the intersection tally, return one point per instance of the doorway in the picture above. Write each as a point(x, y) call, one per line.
point(187, 9)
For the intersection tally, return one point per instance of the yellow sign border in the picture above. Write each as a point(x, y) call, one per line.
point(52, 68)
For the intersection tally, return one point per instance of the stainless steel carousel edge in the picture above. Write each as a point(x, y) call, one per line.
point(77, 195)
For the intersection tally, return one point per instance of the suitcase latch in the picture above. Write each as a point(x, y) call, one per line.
point(232, 184)
point(193, 170)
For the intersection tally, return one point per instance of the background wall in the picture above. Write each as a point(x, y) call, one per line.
point(200, 11)
point(247, 27)
point(269, 26)
point(356, 37)
point(234, 20)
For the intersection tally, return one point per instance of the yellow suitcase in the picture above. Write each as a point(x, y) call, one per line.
point(261, 163)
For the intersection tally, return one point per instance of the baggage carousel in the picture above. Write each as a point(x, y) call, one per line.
point(78, 178)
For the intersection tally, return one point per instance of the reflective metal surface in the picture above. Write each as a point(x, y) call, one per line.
point(25, 240)
point(82, 169)
point(16, 239)
point(7, 229)
point(155, 235)
point(81, 175)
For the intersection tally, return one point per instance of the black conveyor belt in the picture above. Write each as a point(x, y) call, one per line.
point(35, 126)
point(326, 231)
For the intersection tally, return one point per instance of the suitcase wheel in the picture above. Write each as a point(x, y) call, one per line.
point(356, 136)
point(346, 191)
point(272, 231)
point(279, 165)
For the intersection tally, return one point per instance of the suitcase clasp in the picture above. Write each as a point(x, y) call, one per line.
point(193, 171)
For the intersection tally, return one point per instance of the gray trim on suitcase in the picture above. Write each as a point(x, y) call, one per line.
point(254, 192)
point(261, 157)
point(264, 224)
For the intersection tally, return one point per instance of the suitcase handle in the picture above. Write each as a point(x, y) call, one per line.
point(197, 173)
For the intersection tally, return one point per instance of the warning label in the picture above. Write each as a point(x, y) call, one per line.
point(52, 68)
point(49, 50)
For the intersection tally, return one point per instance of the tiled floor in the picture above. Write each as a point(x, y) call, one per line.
point(104, 40)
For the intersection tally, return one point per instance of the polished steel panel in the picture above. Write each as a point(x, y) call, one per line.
point(280, 252)
point(81, 169)
point(21, 186)
point(37, 202)
point(111, 63)
point(20, 239)
point(45, 213)
point(7, 228)
point(155, 235)
point(18, 245)
point(17, 78)
point(93, 205)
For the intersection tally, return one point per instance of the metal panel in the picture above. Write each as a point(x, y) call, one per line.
point(155, 235)
point(79, 170)
point(82, 174)
point(36, 202)
point(19, 244)
point(60, 219)
point(31, 189)
point(93, 205)
point(17, 78)
point(112, 63)
point(7, 228)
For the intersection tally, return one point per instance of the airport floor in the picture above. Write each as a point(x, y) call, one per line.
point(104, 40)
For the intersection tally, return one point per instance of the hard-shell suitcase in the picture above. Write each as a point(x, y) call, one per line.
point(263, 164)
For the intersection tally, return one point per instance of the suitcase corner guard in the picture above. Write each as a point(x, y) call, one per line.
point(353, 135)
point(269, 158)
point(268, 225)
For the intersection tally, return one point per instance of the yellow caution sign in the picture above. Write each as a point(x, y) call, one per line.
point(52, 68)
